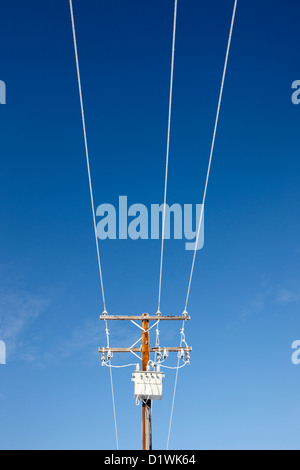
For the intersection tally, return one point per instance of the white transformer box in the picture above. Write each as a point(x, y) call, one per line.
point(148, 385)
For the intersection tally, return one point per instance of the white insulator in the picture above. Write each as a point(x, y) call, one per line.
point(182, 354)
point(103, 359)
point(109, 355)
point(187, 357)
point(165, 354)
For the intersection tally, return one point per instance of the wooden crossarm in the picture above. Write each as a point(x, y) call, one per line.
point(141, 318)
point(138, 350)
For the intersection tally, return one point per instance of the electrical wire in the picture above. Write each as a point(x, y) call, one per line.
point(175, 368)
point(211, 152)
point(202, 209)
point(92, 201)
point(87, 153)
point(119, 367)
point(168, 153)
point(175, 388)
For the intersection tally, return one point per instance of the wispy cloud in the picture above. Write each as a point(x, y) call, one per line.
point(287, 293)
point(82, 341)
point(82, 337)
point(18, 310)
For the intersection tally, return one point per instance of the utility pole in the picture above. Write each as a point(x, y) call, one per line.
point(148, 384)
point(146, 406)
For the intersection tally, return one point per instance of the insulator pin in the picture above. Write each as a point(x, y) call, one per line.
point(109, 355)
point(187, 358)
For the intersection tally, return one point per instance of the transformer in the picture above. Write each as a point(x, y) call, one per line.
point(148, 385)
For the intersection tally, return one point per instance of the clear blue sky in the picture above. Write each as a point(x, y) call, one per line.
point(241, 390)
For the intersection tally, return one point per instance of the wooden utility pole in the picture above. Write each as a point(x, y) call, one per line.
point(146, 408)
point(145, 349)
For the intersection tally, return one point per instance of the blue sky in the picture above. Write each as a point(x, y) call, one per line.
point(241, 390)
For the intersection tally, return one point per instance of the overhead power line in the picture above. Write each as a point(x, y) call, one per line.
point(151, 376)
point(92, 203)
point(87, 153)
point(202, 209)
point(168, 153)
point(211, 153)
